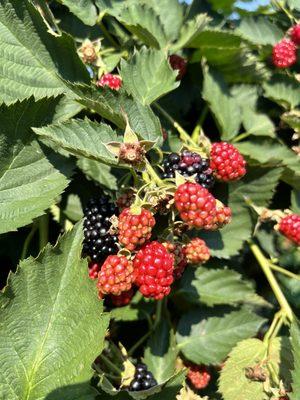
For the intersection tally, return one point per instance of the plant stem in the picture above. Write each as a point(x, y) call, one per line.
point(265, 266)
point(240, 137)
point(28, 240)
point(269, 334)
point(151, 172)
point(110, 364)
point(138, 343)
point(198, 127)
point(284, 272)
point(183, 134)
point(108, 35)
point(43, 230)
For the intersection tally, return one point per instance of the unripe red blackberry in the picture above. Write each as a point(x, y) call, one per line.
point(116, 276)
point(295, 34)
point(196, 251)
point(196, 206)
point(180, 261)
point(178, 63)
point(135, 229)
point(284, 53)
point(112, 81)
point(154, 268)
point(289, 226)
point(199, 376)
point(94, 269)
point(98, 242)
point(222, 218)
point(227, 162)
point(123, 299)
point(188, 164)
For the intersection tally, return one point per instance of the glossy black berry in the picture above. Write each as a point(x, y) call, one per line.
point(98, 243)
point(189, 164)
point(143, 379)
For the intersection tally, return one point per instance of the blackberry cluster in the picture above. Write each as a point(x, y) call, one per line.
point(187, 164)
point(143, 379)
point(98, 243)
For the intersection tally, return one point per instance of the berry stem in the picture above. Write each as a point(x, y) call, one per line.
point(284, 271)
point(110, 364)
point(43, 230)
point(274, 326)
point(183, 134)
point(106, 33)
point(198, 128)
point(278, 5)
point(28, 240)
point(240, 137)
point(151, 172)
point(266, 267)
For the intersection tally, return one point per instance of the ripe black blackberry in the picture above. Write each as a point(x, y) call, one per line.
point(98, 243)
point(187, 164)
point(143, 379)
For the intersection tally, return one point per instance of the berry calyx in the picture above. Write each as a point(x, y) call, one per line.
point(112, 81)
point(88, 53)
point(295, 34)
point(116, 276)
point(196, 251)
point(143, 379)
point(289, 226)
point(227, 162)
point(123, 299)
point(178, 63)
point(154, 267)
point(94, 269)
point(135, 229)
point(180, 261)
point(284, 53)
point(196, 206)
point(98, 242)
point(189, 164)
point(132, 153)
point(199, 376)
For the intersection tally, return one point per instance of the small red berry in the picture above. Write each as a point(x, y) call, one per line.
point(199, 376)
point(178, 63)
point(154, 268)
point(227, 162)
point(289, 226)
point(94, 269)
point(196, 251)
point(284, 53)
point(164, 134)
point(135, 229)
point(110, 80)
point(196, 206)
point(180, 261)
point(295, 34)
point(123, 299)
point(116, 276)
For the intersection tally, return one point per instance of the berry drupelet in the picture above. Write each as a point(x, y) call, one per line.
point(143, 379)
point(188, 164)
point(98, 242)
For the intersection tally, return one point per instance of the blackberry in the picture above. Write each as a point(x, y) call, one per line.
point(98, 243)
point(143, 379)
point(187, 164)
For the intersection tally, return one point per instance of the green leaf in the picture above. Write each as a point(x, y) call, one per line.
point(148, 75)
point(258, 185)
point(161, 353)
point(208, 339)
point(216, 286)
point(83, 9)
point(99, 172)
point(48, 339)
point(284, 90)
point(292, 118)
point(233, 382)
point(260, 31)
point(280, 358)
point(46, 174)
point(24, 36)
point(295, 339)
point(112, 107)
point(295, 201)
point(82, 138)
point(216, 92)
point(143, 22)
point(73, 208)
point(213, 40)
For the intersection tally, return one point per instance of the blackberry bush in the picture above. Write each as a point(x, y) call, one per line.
point(149, 200)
